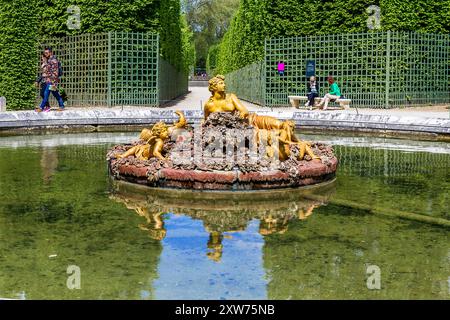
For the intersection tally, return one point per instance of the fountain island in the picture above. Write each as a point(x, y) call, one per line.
point(231, 149)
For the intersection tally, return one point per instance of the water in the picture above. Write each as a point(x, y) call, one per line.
point(389, 208)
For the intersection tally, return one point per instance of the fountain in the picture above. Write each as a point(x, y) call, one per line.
point(232, 149)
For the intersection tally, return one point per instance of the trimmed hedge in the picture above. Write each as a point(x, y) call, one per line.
point(22, 23)
point(256, 20)
point(18, 34)
point(211, 60)
point(160, 16)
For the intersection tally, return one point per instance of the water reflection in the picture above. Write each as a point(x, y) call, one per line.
point(49, 163)
point(213, 243)
point(55, 199)
point(221, 213)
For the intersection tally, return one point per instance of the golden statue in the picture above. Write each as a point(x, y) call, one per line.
point(153, 146)
point(283, 133)
point(154, 139)
point(283, 130)
point(222, 102)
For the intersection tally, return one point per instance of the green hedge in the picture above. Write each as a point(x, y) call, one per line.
point(188, 46)
point(18, 34)
point(23, 22)
point(259, 19)
point(120, 15)
point(211, 60)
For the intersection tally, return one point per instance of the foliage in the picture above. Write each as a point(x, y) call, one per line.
point(188, 46)
point(101, 16)
point(256, 20)
point(171, 38)
point(23, 22)
point(209, 20)
point(18, 33)
point(211, 61)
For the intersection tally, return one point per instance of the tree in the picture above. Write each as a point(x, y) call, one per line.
point(209, 20)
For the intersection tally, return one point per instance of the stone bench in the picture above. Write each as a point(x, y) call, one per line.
point(295, 102)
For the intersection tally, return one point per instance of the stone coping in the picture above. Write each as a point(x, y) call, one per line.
point(129, 117)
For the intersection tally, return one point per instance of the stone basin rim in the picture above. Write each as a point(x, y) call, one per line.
point(281, 190)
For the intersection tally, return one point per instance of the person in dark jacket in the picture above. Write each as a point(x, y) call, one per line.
point(41, 84)
point(50, 71)
point(313, 91)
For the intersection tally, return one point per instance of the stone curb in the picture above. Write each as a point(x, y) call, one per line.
point(332, 120)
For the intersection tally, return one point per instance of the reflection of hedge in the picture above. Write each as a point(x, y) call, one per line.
point(21, 20)
point(17, 55)
point(257, 20)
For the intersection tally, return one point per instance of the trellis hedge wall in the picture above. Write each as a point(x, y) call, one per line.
point(248, 83)
point(257, 20)
point(24, 23)
point(376, 69)
point(115, 69)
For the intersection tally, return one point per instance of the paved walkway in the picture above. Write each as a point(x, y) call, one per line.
point(197, 96)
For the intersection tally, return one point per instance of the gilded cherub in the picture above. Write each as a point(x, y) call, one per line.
point(154, 140)
point(283, 133)
point(153, 146)
point(287, 138)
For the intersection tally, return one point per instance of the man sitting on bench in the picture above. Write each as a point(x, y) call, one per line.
point(334, 94)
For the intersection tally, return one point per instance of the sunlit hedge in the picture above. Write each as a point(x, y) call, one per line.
point(22, 23)
point(259, 19)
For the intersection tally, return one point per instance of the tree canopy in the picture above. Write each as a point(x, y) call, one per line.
point(209, 20)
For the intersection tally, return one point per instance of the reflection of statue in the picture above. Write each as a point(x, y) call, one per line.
point(154, 140)
point(304, 213)
point(216, 246)
point(222, 102)
point(269, 225)
point(154, 221)
point(222, 214)
point(154, 225)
